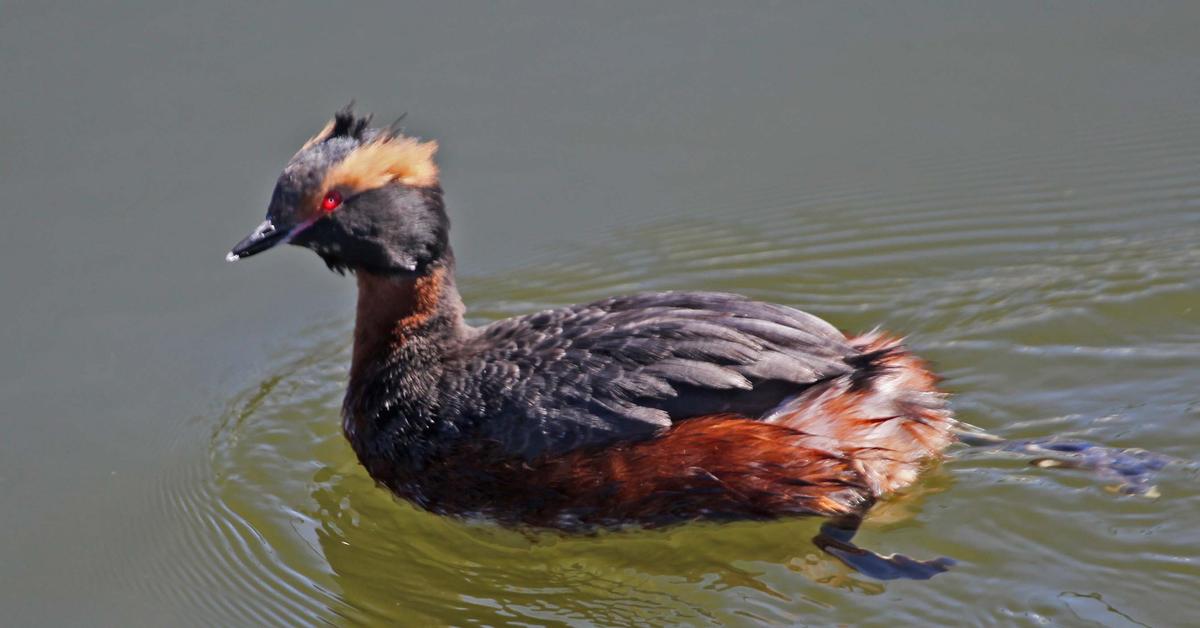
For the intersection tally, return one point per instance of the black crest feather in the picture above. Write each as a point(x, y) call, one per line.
point(348, 124)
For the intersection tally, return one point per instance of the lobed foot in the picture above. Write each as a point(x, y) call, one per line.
point(1132, 470)
point(834, 539)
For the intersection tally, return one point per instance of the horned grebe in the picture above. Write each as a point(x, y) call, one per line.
point(646, 409)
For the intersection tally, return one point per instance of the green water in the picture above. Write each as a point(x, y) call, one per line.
point(1015, 186)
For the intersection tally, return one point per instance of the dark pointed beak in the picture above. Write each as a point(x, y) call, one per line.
point(263, 238)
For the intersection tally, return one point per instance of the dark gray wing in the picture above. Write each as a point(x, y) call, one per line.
point(626, 367)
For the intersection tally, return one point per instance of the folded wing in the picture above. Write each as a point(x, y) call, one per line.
point(624, 368)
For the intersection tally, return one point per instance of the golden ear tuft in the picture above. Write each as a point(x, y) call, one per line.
point(384, 160)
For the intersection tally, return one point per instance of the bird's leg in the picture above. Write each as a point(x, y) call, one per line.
point(834, 539)
point(1132, 471)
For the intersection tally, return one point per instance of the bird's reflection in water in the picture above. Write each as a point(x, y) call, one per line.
point(394, 562)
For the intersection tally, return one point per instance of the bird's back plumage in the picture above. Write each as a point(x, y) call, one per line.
point(625, 368)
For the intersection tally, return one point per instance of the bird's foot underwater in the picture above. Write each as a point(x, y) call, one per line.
point(835, 539)
point(1129, 471)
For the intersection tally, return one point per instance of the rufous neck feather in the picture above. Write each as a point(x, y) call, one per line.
point(390, 310)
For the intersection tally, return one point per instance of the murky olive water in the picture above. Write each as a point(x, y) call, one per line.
point(1017, 187)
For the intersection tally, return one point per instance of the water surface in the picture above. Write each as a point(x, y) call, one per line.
point(1014, 186)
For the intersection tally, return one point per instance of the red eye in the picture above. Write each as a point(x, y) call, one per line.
point(332, 201)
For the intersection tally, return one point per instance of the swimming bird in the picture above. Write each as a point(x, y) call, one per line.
point(649, 409)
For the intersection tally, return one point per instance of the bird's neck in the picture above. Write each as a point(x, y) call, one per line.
point(410, 319)
point(404, 329)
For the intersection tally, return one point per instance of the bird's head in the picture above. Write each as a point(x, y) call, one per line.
point(363, 198)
